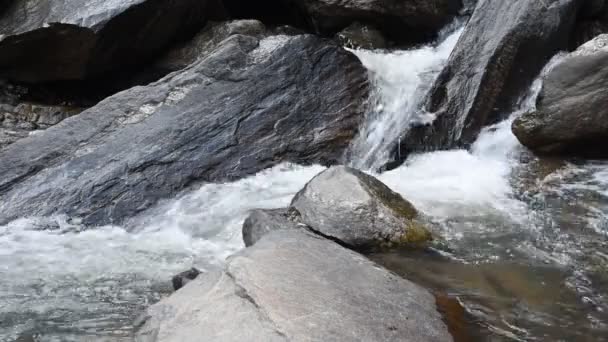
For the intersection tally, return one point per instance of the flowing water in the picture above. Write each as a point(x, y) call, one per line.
point(522, 252)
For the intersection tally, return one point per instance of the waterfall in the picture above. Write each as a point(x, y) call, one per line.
point(400, 81)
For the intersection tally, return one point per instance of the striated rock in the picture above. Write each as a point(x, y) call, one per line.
point(571, 115)
point(358, 36)
point(358, 210)
point(260, 222)
point(502, 49)
point(295, 286)
point(400, 19)
point(247, 106)
point(50, 40)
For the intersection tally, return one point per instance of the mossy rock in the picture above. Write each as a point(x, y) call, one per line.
point(358, 210)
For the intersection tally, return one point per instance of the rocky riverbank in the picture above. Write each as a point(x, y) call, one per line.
point(109, 109)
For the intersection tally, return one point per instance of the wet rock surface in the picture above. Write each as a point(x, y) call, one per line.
point(502, 49)
point(247, 106)
point(401, 20)
point(571, 116)
point(296, 286)
point(358, 210)
point(53, 40)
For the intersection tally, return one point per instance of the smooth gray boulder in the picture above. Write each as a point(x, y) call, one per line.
point(571, 115)
point(262, 221)
point(401, 20)
point(247, 106)
point(49, 40)
point(295, 286)
point(358, 210)
point(502, 50)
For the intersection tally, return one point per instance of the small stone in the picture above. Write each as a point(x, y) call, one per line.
point(184, 278)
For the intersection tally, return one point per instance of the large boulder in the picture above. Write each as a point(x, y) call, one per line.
point(502, 49)
point(571, 115)
point(358, 210)
point(295, 286)
point(399, 19)
point(49, 40)
point(247, 106)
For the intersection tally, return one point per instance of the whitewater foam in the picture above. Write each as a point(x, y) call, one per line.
point(400, 79)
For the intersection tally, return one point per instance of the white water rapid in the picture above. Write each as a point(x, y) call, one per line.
point(490, 204)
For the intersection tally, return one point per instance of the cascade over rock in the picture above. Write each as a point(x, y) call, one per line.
point(51, 40)
point(398, 19)
point(572, 108)
point(247, 106)
point(502, 49)
point(295, 286)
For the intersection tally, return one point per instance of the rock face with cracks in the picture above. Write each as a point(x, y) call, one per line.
point(247, 106)
point(296, 286)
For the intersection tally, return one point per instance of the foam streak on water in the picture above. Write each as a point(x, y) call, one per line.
point(401, 80)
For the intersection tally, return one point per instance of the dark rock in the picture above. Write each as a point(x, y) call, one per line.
point(358, 210)
point(592, 21)
point(184, 278)
point(247, 106)
point(295, 286)
point(400, 20)
point(260, 222)
point(51, 40)
point(358, 36)
point(572, 111)
point(502, 49)
point(204, 43)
